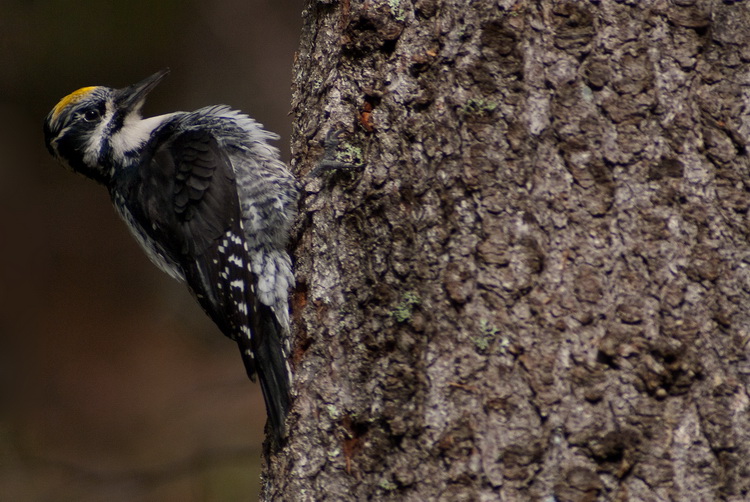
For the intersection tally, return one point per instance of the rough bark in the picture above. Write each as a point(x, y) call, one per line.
point(537, 287)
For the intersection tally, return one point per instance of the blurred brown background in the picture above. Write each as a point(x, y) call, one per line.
point(113, 383)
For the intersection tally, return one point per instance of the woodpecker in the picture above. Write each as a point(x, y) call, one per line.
point(210, 202)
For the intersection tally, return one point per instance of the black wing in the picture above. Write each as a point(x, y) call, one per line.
point(203, 224)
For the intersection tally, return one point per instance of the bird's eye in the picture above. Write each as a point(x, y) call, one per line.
point(91, 115)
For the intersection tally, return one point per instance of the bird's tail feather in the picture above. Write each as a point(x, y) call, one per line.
point(269, 363)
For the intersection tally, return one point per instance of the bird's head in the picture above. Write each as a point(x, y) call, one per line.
point(95, 130)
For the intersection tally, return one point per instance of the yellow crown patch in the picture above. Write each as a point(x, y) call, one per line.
point(70, 99)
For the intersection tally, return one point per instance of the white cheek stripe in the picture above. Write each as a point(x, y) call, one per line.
point(134, 133)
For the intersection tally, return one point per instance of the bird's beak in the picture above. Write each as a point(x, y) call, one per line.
point(131, 98)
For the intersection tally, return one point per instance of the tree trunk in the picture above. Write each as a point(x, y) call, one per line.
point(538, 285)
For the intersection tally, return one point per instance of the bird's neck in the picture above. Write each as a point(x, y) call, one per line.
point(126, 150)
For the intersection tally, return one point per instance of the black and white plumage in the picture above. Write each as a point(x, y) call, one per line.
point(209, 201)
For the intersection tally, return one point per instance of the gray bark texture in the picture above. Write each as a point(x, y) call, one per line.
point(538, 285)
